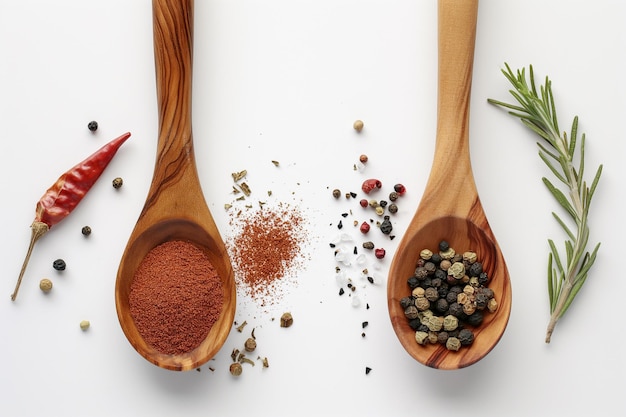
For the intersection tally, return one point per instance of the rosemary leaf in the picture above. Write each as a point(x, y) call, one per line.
point(536, 109)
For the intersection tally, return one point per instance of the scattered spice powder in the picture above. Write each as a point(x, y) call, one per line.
point(176, 297)
point(266, 249)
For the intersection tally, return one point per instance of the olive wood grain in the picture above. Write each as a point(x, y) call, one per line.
point(450, 208)
point(175, 208)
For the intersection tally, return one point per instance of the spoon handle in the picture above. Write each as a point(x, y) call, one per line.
point(173, 56)
point(456, 39)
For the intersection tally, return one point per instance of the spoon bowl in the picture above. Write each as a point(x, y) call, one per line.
point(175, 208)
point(450, 208)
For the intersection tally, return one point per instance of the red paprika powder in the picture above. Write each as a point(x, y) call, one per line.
point(176, 297)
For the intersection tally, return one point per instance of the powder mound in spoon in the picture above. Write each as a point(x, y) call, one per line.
point(176, 297)
point(267, 249)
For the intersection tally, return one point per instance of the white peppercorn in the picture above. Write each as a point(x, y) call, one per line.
point(422, 303)
point(426, 254)
point(422, 337)
point(470, 257)
point(453, 343)
point(457, 270)
point(450, 323)
point(45, 285)
point(447, 254)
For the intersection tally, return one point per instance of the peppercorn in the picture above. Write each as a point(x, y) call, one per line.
point(92, 126)
point(393, 209)
point(421, 272)
point(431, 294)
point(441, 305)
point(286, 320)
point(426, 254)
point(456, 310)
point(379, 210)
point(367, 370)
point(383, 203)
point(442, 337)
point(59, 265)
point(466, 337)
point(364, 202)
point(117, 183)
point(358, 125)
point(422, 303)
point(379, 253)
point(84, 325)
point(444, 246)
point(436, 258)
point(418, 292)
point(483, 278)
point(363, 158)
point(336, 193)
point(86, 230)
point(457, 270)
point(386, 227)
point(393, 196)
point(250, 344)
point(415, 324)
point(400, 189)
point(411, 312)
point(235, 369)
point(492, 305)
point(475, 319)
point(45, 285)
point(450, 323)
point(365, 227)
point(368, 245)
point(475, 269)
point(371, 185)
point(406, 301)
point(453, 343)
point(421, 337)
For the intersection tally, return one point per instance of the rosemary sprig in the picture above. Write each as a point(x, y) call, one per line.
point(537, 111)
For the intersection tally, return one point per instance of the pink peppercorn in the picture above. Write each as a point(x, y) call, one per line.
point(364, 203)
point(400, 189)
point(365, 227)
point(380, 253)
point(371, 184)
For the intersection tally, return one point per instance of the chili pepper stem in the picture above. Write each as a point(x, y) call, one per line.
point(38, 229)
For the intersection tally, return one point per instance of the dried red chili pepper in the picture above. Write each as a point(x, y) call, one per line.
point(371, 184)
point(65, 194)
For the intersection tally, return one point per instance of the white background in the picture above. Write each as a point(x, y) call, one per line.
point(284, 80)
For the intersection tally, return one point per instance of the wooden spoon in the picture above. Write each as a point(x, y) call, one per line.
point(450, 208)
point(175, 208)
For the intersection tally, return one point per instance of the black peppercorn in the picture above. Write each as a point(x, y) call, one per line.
point(93, 126)
point(393, 208)
point(436, 258)
point(415, 324)
point(444, 246)
point(393, 196)
point(421, 272)
point(405, 302)
point(451, 296)
point(368, 245)
point(456, 310)
point(440, 274)
point(386, 227)
point(59, 265)
point(466, 337)
point(413, 282)
point(86, 230)
point(383, 203)
point(336, 193)
point(442, 337)
point(483, 278)
point(367, 370)
point(441, 305)
point(475, 269)
point(431, 294)
point(475, 319)
point(411, 312)
point(341, 291)
point(481, 299)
